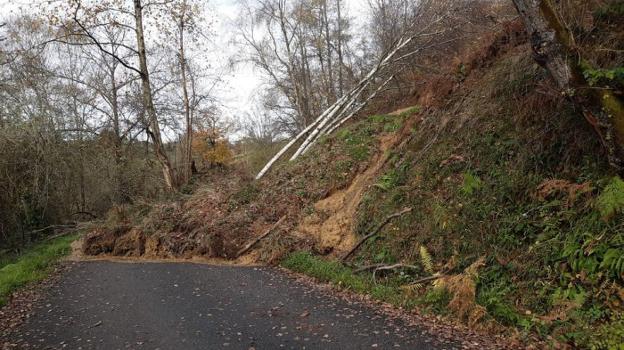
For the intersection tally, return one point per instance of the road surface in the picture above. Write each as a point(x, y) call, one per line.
point(110, 305)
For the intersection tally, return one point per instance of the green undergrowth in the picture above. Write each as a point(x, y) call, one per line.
point(33, 265)
point(331, 164)
point(384, 289)
point(521, 182)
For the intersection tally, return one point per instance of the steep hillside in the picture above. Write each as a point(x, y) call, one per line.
point(506, 173)
point(516, 221)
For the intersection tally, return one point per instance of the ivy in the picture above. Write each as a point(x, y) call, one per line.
point(606, 76)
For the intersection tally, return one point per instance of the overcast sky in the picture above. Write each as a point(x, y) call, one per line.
point(237, 94)
point(244, 83)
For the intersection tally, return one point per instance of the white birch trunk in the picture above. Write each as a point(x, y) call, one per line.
point(358, 108)
point(284, 149)
point(335, 114)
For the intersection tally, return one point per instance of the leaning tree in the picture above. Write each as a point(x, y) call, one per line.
point(434, 24)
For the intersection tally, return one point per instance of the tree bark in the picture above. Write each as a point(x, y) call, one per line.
point(554, 49)
point(328, 44)
point(185, 97)
point(250, 245)
point(339, 108)
point(339, 49)
point(291, 65)
point(374, 232)
point(118, 152)
point(153, 128)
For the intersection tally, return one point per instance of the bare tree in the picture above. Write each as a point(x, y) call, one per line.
point(389, 18)
point(186, 18)
point(429, 29)
point(84, 27)
point(297, 44)
point(107, 80)
point(183, 18)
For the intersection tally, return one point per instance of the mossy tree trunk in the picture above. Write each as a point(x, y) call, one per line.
point(554, 49)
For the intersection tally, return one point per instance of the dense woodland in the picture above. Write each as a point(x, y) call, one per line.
point(464, 157)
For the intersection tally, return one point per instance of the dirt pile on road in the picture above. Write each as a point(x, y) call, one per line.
point(230, 211)
point(319, 194)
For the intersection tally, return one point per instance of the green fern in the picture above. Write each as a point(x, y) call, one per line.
point(611, 200)
point(412, 289)
point(426, 259)
point(471, 183)
point(613, 260)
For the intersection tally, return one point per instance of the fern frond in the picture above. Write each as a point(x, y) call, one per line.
point(412, 289)
point(611, 201)
point(613, 260)
point(440, 284)
point(426, 259)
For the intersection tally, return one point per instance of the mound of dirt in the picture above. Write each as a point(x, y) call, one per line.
point(319, 194)
point(333, 222)
point(130, 244)
point(102, 240)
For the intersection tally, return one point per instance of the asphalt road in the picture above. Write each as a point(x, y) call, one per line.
point(107, 305)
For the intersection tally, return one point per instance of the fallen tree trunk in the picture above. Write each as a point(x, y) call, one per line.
point(338, 123)
point(279, 154)
point(426, 279)
point(344, 105)
point(382, 267)
point(261, 237)
point(336, 114)
point(374, 232)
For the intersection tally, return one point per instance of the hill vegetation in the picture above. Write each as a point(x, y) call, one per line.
point(515, 211)
point(482, 187)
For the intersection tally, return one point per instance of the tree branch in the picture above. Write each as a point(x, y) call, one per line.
point(375, 231)
point(261, 237)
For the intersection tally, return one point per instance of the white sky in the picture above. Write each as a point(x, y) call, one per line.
point(237, 94)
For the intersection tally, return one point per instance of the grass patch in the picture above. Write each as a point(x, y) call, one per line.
point(384, 289)
point(33, 265)
point(392, 123)
point(327, 271)
point(6, 258)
